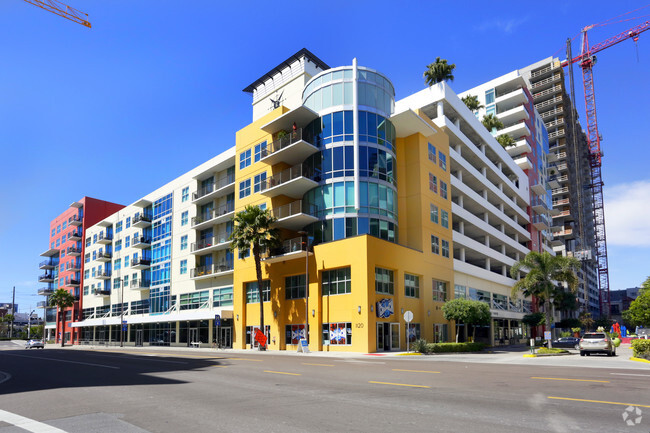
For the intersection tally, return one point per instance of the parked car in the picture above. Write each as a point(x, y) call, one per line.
point(596, 342)
point(34, 343)
point(568, 342)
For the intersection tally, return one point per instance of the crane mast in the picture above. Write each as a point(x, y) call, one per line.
point(62, 10)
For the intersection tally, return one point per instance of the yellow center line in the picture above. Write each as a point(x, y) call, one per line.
point(416, 371)
point(220, 366)
point(574, 380)
point(160, 354)
point(398, 384)
point(282, 372)
point(319, 365)
point(244, 359)
point(598, 401)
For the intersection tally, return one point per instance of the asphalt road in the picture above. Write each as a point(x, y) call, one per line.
point(180, 391)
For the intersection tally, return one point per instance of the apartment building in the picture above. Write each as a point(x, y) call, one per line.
point(62, 265)
point(382, 208)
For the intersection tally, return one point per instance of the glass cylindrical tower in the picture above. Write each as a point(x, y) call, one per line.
point(355, 165)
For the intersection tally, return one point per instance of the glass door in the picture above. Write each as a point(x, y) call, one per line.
point(225, 337)
point(138, 337)
point(394, 340)
point(193, 336)
point(380, 337)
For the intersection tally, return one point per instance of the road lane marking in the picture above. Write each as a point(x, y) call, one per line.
point(245, 359)
point(282, 372)
point(631, 374)
point(398, 384)
point(319, 365)
point(27, 424)
point(573, 380)
point(219, 366)
point(143, 358)
point(158, 354)
point(65, 360)
point(598, 401)
point(415, 371)
point(6, 375)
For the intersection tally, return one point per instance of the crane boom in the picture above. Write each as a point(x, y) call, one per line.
point(62, 10)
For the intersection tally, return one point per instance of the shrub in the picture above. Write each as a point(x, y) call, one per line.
point(566, 334)
point(419, 346)
point(424, 347)
point(641, 349)
point(543, 350)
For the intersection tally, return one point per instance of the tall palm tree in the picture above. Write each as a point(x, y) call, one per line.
point(472, 102)
point(492, 123)
point(438, 72)
point(62, 299)
point(545, 272)
point(505, 140)
point(252, 229)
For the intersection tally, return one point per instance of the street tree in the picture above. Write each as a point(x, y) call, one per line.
point(505, 140)
point(62, 299)
point(472, 102)
point(639, 312)
point(492, 123)
point(438, 72)
point(253, 230)
point(467, 312)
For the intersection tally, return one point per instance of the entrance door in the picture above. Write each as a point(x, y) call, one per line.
point(394, 340)
point(102, 336)
point(193, 336)
point(387, 336)
point(138, 337)
point(225, 337)
point(380, 337)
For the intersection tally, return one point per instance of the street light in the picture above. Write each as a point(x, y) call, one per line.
point(29, 325)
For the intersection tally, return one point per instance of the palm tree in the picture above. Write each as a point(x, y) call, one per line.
point(62, 299)
point(438, 72)
point(492, 122)
point(252, 229)
point(472, 102)
point(505, 140)
point(544, 273)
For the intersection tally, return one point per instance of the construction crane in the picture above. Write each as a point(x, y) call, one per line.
point(62, 10)
point(586, 60)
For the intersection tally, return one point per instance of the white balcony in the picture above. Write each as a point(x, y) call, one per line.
point(221, 187)
point(293, 148)
point(524, 163)
point(216, 216)
point(293, 216)
point(218, 242)
point(521, 146)
point(518, 130)
point(293, 182)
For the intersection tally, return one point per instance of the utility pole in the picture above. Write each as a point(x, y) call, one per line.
point(13, 312)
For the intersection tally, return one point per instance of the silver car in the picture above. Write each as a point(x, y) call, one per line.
point(34, 343)
point(596, 342)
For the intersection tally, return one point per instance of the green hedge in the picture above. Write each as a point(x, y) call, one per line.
point(545, 350)
point(641, 349)
point(423, 347)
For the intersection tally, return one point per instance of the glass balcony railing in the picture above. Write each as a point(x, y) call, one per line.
point(219, 238)
point(215, 213)
point(300, 170)
point(214, 186)
point(201, 271)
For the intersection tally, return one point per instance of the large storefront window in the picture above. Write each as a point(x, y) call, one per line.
point(337, 334)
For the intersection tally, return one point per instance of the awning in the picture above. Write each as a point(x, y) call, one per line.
point(176, 316)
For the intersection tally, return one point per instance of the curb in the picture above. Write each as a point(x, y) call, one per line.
point(639, 360)
point(541, 355)
point(408, 354)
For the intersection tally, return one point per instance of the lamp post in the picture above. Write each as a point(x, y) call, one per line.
point(29, 325)
point(121, 312)
point(304, 235)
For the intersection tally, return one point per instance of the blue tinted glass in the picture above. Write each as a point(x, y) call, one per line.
point(348, 123)
point(337, 157)
point(349, 160)
point(327, 160)
point(327, 125)
point(363, 123)
point(339, 228)
point(337, 123)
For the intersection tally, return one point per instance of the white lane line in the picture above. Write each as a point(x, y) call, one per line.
point(7, 376)
point(630, 374)
point(27, 424)
point(64, 360)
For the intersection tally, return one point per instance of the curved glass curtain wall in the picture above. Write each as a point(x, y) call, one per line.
point(330, 94)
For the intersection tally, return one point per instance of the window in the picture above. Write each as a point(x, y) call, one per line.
point(294, 287)
point(443, 190)
point(88, 241)
point(442, 160)
point(185, 194)
point(87, 274)
point(384, 281)
point(118, 227)
point(244, 159)
point(440, 333)
point(444, 218)
point(258, 181)
point(413, 332)
point(434, 213)
point(439, 291)
point(244, 253)
point(118, 245)
point(94, 255)
point(433, 183)
point(489, 96)
point(184, 218)
point(53, 232)
point(445, 248)
point(337, 333)
point(250, 334)
point(252, 293)
point(117, 264)
point(432, 153)
point(128, 222)
point(95, 238)
point(127, 242)
point(294, 333)
point(183, 267)
point(222, 297)
point(94, 272)
point(183, 242)
point(86, 290)
point(460, 292)
point(244, 188)
point(435, 244)
point(193, 301)
point(411, 286)
point(260, 151)
point(337, 281)
point(58, 228)
point(64, 225)
point(87, 258)
point(126, 262)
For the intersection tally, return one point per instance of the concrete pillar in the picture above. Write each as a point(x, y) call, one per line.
point(457, 123)
point(459, 174)
point(485, 194)
point(501, 207)
point(484, 171)
point(503, 249)
point(461, 227)
point(487, 241)
point(486, 217)
point(440, 110)
point(500, 187)
point(500, 166)
point(462, 254)
point(457, 149)
point(211, 336)
point(482, 147)
point(504, 270)
point(487, 263)
point(460, 200)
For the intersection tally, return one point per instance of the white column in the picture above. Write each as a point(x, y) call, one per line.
point(462, 254)
point(487, 263)
point(440, 110)
point(461, 227)
point(355, 132)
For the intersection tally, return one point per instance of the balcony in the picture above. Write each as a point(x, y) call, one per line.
point(73, 251)
point(105, 238)
point(47, 264)
point(46, 291)
point(73, 283)
point(512, 115)
point(42, 304)
point(223, 186)
point(139, 284)
point(550, 102)
point(218, 242)
point(518, 130)
point(292, 149)
point(75, 220)
point(543, 93)
point(141, 220)
point(539, 188)
point(543, 71)
point(540, 222)
point(216, 216)
point(553, 182)
point(564, 190)
point(104, 275)
point(75, 235)
point(565, 232)
point(46, 278)
point(562, 214)
point(294, 216)
point(104, 257)
point(293, 182)
point(511, 98)
point(553, 112)
point(561, 202)
point(140, 242)
point(73, 266)
point(546, 81)
point(140, 263)
point(521, 146)
point(291, 249)
point(212, 271)
point(524, 163)
point(102, 293)
point(556, 134)
point(539, 205)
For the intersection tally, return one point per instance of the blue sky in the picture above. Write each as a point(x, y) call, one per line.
point(154, 89)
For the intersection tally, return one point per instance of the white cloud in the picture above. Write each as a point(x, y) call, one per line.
point(627, 214)
point(506, 26)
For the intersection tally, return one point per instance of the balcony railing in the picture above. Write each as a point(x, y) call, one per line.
point(219, 238)
point(75, 234)
point(291, 209)
point(105, 255)
point(46, 277)
point(558, 133)
point(42, 304)
point(202, 271)
point(288, 246)
point(542, 71)
point(140, 241)
point(553, 89)
point(47, 264)
point(213, 186)
point(102, 292)
point(73, 282)
point(73, 266)
point(300, 170)
point(75, 220)
point(73, 251)
point(104, 274)
point(551, 101)
point(140, 262)
point(105, 238)
point(141, 217)
point(139, 284)
point(207, 216)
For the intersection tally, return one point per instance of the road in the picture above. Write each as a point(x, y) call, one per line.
point(129, 390)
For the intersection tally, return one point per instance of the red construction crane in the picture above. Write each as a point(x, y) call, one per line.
point(62, 10)
point(586, 60)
